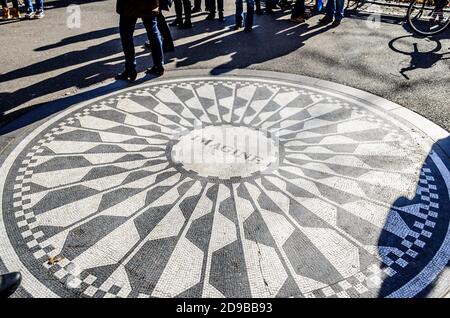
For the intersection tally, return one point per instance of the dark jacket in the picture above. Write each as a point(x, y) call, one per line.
point(138, 8)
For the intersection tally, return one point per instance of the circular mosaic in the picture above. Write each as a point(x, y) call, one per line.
point(225, 187)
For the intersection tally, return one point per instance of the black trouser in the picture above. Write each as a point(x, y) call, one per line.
point(212, 6)
point(127, 26)
point(270, 4)
point(164, 30)
point(179, 6)
point(299, 8)
point(198, 4)
point(258, 4)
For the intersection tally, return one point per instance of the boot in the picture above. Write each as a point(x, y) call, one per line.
point(157, 71)
point(9, 284)
point(210, 16)
point(186, 25)
point(15, 13)
point(6, 15)
point(127, 75)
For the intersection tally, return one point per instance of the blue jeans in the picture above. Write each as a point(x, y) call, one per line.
point(127, 26)
point(248, 16)
point(335, 8)
point(39, 4)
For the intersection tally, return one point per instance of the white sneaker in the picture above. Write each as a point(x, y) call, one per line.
point(39, 14)
point(30, 15)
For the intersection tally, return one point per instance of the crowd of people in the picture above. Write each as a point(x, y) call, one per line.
point(35, 11)
point(160, 39)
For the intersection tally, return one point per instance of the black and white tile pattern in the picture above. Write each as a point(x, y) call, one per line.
point(353, 204)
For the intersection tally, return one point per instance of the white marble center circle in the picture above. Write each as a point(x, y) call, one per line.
point(226, 151)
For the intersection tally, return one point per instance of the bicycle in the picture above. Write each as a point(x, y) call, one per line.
point(428, 17)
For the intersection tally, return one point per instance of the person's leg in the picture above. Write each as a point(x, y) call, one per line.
point(187, 11)
point(39, 4)
point(165, 32)
point(330, 8)
point(239, 13)
point(178, 12)
point(15, 11)
point(126, 30)
point(5, 10)
point(151, 26)
point(249, 15)
point(211, 9)
point(270, 5)
point(197, 4)
point(220, 9)
point(339, 10)
point(29, 5)
point(298, 9)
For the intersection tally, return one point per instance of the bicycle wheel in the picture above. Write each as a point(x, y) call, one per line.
point(428, 17)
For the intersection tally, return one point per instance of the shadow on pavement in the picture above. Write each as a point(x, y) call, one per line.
point(419, 250)
point(419, 59)
point(245, 49)
point(100, 62)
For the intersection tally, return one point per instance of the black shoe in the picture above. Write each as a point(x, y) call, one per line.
point(221, 18)
point(325, 20)
point(270, 11)
point(9, 284)
point(185, 25)
point(236, 27)
point(157, 71)
point(336, 23)
point(196, 10)
point(175, 22)
point(210, 16)
point(127, 75)
point(247, 29)
point(259, 12)
point(147, 44)
point(168, 47)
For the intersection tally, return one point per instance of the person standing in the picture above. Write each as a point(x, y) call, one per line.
point(36, 12)
point(334, 8)
point(179, 6)
point(130, 11)
point(212, 10)
point(248, 19)
point(10, 13)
